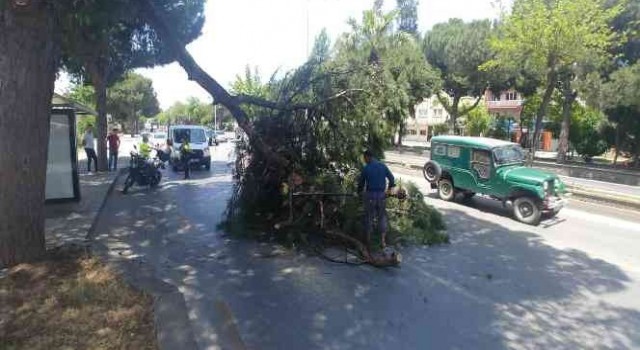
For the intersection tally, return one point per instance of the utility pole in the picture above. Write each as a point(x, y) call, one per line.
point(215, 117)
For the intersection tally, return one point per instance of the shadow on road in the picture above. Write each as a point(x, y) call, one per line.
point(493, 287)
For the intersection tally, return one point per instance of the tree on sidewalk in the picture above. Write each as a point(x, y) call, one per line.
point(549, 37)
point(104, 39)
point(28, 64)
point(33, 35)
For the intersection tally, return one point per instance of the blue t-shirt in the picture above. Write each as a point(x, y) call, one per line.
point(374, 176)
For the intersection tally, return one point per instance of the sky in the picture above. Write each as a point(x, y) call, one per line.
point(275, 35)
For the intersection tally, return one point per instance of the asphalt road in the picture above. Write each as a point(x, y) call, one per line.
point(573, 181)
point(573, 283)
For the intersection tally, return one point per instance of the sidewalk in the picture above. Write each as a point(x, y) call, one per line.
point(71, 222)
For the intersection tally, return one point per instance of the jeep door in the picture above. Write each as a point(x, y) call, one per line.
point(482, 170)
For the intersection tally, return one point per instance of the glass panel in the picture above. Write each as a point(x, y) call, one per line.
point(59, 166)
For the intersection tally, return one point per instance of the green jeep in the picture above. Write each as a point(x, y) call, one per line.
point(495, 168)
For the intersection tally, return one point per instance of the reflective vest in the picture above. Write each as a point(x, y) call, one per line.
point(185, 148)
point(145, 150)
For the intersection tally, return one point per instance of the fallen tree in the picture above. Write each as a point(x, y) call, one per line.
point(308, 136)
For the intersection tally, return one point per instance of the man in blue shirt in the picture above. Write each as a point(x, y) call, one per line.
point(374, 179)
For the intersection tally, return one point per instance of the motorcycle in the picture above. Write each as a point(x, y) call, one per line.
point(145, 172)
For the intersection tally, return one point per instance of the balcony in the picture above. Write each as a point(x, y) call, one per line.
point(505, 104)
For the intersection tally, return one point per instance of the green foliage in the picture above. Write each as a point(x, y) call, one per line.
point(84, 94)
point(456, 49)
point(549, 39)
point(132, 97)
point(193, 111)
point(441, 129)
point(250, 84)
point(585, 135)
point(478, 121)
point(362, 86)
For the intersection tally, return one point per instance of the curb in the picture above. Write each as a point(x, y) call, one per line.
point(92, 228)
point(605, 197)
point(576, 192)
point(170, 315)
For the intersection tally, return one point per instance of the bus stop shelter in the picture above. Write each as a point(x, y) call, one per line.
point(62, 162)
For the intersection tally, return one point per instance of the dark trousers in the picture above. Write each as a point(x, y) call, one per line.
point(185, 165)
point(113, 160)
point(375, 206)
point(91, 155)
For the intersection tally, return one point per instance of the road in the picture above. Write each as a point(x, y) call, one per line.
point(570, 284)
point(634, 191)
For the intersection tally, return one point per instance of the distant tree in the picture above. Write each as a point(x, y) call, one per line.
point(408, 18)
point(622, 105)
point(457, 49)
point(478, 121)
point(104, 39)
point(130, 98)
point(548, 38)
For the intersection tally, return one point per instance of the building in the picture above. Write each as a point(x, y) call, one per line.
point(430, 113)
point(508, 103)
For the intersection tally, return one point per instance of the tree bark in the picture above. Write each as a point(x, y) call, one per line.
point(618, 141)
point(552, 78)
point(100, 85)
point(197, 74)
point(28, 61)
point(569, 97)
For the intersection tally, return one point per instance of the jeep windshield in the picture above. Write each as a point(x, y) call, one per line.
point(193, 135)
point(511, 154)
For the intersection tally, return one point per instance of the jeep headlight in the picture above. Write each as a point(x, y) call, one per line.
point(545, 186)
point(206, 151)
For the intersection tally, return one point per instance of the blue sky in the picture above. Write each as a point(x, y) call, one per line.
point(272, 35)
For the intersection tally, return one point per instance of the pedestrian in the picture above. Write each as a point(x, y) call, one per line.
point(185, 156)
point(373, 180)
point(114, 145)
point(88, 142)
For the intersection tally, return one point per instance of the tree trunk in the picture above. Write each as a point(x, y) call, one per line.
point(100, 85)
point(28, 61)
point(569, 97)
point(542, 111)
point(454, 114)
point(618, 141)
point(197, 74)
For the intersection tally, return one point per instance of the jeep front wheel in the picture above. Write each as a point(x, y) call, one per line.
point(446, 190)
point(527, 210)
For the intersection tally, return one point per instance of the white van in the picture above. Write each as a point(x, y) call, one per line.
point(198, 141)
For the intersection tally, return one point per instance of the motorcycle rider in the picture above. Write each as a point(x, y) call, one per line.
point(185, 155)
point(144, 147)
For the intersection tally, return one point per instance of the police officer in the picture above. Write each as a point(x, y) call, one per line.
point(144, 147)
point(185, 155)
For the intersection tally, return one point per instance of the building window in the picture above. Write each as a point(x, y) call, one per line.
point(413, 132)
point(423, 132)
point(512, 96)
point(495, 97)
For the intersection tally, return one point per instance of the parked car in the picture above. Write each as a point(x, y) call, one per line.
point(495, 168)
point(198, 141)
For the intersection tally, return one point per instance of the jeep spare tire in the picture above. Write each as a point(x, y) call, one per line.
point(432, 171)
